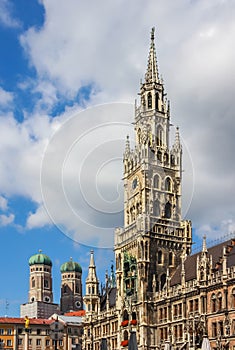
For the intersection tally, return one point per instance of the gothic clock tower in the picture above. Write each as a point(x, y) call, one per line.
point(154, 238)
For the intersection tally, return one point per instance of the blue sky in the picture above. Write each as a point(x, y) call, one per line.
point(59, 58)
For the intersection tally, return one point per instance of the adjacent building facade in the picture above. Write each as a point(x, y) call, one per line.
point(39, 333)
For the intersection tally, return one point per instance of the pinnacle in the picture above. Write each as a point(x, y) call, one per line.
point(151, 75)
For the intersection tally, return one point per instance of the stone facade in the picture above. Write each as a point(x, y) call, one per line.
point(161, 292)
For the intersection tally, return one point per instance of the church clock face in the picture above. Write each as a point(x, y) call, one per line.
point(135, 183)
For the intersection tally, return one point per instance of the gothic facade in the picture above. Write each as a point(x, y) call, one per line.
point(162, 294)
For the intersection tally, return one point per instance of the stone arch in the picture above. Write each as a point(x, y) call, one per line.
point(168, 184)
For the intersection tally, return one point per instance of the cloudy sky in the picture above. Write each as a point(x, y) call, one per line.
point(69, 74)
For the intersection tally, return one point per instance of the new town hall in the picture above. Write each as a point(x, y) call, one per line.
point(159, 294)
point(162, 293)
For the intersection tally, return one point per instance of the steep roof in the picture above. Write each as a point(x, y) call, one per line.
point(191, 261)
point(112, 298)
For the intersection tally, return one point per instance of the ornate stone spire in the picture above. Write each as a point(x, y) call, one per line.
point(151, 75)
point(92, 269)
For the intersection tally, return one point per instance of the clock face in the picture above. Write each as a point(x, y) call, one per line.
point(78, 304)
point(134, 183)
point(47, 299)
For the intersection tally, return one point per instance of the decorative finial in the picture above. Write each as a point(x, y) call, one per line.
point(152, 33)
point(204, 248)
point(127, 148)
point(40, 251)
point(71, 259)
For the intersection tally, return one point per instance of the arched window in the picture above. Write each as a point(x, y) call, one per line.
point(168, 210)
point(125, 315)
point(168, 184)
point(219, 302)
point(33, 282)
point(125, 335)
point(156, 100)
point(159, 257)
point(159, 156)
point(159, 136)
point(156, 181)
point(156, 208)
point(170, 258)
point(149, 100)
point(133, 315)
point(163, 280)
point(213, 303)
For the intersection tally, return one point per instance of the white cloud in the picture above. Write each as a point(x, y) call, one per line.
point(6, 17)
point(3, 203)
point(76, 47)
point(38, 219)
point(5, 97)
point(6, 219)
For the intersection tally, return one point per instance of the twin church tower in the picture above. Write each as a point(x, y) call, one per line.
point(40, 299)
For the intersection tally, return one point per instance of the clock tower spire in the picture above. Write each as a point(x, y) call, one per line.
point(154, 236)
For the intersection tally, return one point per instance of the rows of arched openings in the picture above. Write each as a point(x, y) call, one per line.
point(150, 102)
point(161, 258)
point(167, 183)
point(143, 250)
point(160, 282)
point(167, 209)
point(132, 213)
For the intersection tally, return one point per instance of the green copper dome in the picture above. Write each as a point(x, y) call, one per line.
point(40, 259)
point(70, 266)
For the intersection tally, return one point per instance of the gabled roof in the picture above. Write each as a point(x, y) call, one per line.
point(216, 252)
